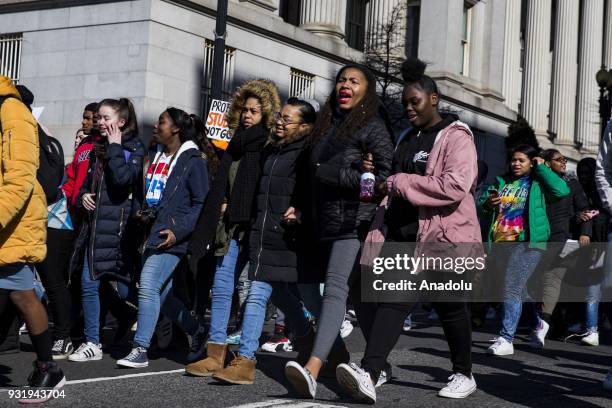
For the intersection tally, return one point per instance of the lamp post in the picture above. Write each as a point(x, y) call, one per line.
point(604, 81)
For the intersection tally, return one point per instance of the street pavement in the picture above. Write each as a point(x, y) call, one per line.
point(561, 375)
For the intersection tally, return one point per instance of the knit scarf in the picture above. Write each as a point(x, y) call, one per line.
point(247, 148)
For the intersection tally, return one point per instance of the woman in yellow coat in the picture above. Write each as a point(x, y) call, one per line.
point(23, 226)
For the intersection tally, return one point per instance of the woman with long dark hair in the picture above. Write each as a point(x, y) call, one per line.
point(352, 124)
point(429, 200)
point(176, 185)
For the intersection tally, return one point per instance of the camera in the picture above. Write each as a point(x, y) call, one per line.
point(146, 216)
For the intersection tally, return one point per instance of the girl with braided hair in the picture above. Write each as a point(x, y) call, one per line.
point(176, 185)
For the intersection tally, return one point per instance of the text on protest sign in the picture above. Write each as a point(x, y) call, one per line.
point(216, 122)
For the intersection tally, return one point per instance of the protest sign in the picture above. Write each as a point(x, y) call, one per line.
point(216, 122)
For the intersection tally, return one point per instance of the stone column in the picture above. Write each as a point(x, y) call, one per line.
point(587, 119)
point(380, 13)
point(479, 15)
point(535, 100)
point(565, 72)
point(608, 37)
point(511, 85)
point(326, 18)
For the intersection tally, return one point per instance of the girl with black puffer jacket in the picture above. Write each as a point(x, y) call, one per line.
point(352, 124)
point(105, 246)
point(277, 240)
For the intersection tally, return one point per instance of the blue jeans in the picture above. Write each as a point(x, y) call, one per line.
point(226, 273)
point(255, 313)
point(91, 302)
point(522, 261)
point(155, 293)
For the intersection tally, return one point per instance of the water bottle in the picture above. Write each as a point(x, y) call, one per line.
point(366, 185)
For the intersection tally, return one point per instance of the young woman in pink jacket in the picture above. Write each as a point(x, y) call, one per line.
point(429, 200)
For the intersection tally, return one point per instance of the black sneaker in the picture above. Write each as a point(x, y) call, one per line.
point(47, 376)
point(62, 349)
point(196, 344)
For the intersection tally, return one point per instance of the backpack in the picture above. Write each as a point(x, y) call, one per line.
point(51, 162)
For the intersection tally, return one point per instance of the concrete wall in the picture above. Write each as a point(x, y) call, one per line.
point(74, 56)
point(151, 51)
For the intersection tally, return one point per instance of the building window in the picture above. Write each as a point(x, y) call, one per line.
point(228, 73)
point(10, 55)
point(355, 23)
point(289, 11)
point(302, 84)
point(413, 19)
point(466, 35)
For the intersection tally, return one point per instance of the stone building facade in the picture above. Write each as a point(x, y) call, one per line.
point(493, 59)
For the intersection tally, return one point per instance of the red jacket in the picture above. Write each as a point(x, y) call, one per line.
point(76, 172)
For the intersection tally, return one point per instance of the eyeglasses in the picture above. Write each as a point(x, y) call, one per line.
point(561, 160)
point(278, 117)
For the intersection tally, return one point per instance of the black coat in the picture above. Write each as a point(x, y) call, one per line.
point(109, 232)
point(274, 245)
point(563, 214)
point(335, 162)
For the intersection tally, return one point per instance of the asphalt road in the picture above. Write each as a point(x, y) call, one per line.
point(561, 375)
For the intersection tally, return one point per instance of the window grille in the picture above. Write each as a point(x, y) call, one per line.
point(302, 84)
point(228, 73)
point(10, 55)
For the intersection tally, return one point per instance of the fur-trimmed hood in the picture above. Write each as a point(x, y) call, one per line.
point(262, 89)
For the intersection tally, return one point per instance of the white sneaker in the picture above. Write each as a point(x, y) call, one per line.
point(301, 379)
point(87, 352)
point(607, 383)
point(346, 328)
point(538, 335)
point(382, 379)
point(591, 339)
point(357, 382)
point(459, 386)
point(501, 347)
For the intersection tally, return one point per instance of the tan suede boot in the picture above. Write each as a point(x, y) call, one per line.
point(214, 361)
point(240, 370)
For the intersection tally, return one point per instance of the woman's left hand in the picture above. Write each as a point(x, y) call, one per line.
point(170, 239)
point(367, 163)
point(584, 240)
point(114, 134)
point(292, 216)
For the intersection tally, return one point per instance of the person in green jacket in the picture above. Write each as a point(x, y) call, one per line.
point(516, 204)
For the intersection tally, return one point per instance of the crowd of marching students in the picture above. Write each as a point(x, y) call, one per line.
point(274, 216)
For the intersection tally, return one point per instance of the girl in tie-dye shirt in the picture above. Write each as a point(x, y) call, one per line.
point(517, 205)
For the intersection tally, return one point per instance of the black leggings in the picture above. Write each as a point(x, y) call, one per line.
point(388, 318)
point(53, 272)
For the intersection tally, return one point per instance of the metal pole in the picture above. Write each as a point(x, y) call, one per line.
point(219, 53)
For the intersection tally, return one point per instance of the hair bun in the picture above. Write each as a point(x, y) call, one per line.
point(413, 69)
